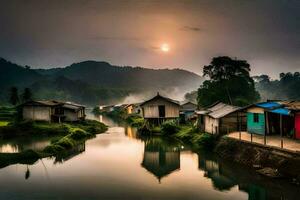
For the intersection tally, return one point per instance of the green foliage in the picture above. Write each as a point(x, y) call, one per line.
point(169, 127)
point(185, 133)
point(229, 82)
point(7, 113)
point(25, 157)
point(286, 88)
point(91, 82)
point(135, 120)
point(203, 140)
point(26, 95)
point(53, 149)
point(96, 110)
point(66, 142)
point(3, 123)
point(156, 129)
point(14, 96)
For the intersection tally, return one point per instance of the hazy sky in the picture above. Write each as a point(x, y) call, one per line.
point(130, 32)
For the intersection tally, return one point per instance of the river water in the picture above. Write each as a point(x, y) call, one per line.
point(120, 165)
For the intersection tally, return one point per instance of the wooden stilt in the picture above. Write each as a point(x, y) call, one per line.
point(281, 138)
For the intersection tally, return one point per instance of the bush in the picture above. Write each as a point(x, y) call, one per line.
point(205, 140)
point(53, 149)
point(79, 134)
point(65, 142)
point(169, 127)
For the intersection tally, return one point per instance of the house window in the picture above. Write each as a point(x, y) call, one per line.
point(255, 118)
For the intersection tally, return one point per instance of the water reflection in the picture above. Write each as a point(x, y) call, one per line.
point(212, 170)
point(22, 143)
point(69, 154)
point(123, 165)
point(226, 175)
point(159, 158)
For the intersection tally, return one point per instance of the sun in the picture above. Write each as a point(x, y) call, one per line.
point(165, 47)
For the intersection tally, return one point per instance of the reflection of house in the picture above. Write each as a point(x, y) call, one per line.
point(274, 117)
point(221, 118)
point(187, 110)
point(160, 108)
point(52, 111)
point(131, 132)
point(160, 159)
point(213, 171)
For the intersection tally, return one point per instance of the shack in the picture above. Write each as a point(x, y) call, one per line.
point(159, 109)
point(294, 108)
point(52, 111)
point(270, 118)
point(187, 110)
point(221, 118)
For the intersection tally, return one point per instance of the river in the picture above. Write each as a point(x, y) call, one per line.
point(120, 165)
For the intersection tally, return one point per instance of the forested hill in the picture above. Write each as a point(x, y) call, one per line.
point(92, 82)
point(106, 75)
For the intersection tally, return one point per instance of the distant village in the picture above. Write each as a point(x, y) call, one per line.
point(273, 119)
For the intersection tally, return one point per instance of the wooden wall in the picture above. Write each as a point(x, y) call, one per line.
point(39, 113)
point(150, 109)
point(230, 123)
point(211, 124)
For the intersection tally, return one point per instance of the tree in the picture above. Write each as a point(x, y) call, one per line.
point(27, 95)
point(14, 97)
point(230, 82)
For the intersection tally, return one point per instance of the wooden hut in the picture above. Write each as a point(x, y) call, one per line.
point(221, 118)
point(159, 109)
point(52, 111)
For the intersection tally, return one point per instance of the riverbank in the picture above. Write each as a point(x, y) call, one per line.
point(70, 135)
point(267, 161)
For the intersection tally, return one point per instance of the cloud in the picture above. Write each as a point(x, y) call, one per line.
point(191, 28)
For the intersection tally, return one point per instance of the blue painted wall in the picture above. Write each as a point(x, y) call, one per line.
point(256, 127)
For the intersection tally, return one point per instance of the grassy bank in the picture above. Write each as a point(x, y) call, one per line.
point(71, 134)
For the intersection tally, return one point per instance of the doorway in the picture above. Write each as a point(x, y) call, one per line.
point(162, 111)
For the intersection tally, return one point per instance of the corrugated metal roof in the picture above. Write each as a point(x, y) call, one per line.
point(221, 110)
point(293, 105)
point(218, 110)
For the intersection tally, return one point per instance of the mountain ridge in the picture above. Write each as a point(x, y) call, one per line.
point(96, 81)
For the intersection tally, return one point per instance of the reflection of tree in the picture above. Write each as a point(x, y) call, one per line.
point(67, 155)
point(27, 173)
point(160, 158)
